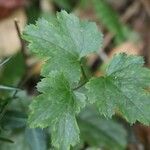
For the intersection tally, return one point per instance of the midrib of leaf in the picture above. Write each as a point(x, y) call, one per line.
point(81, 34)
point(69, 35)
point(104, 95)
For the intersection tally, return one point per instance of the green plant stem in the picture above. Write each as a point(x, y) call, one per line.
point(85, 78)
point(79, 86)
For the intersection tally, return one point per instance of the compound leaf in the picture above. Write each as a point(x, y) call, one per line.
point(56, 107)
point(124, 89)
point(63, 40)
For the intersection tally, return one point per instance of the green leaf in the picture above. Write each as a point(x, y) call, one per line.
point(63, 41)
point(14, 120)
point(111, 21)
point(124, 89)
point(97, 131)
point(13, 70)
point(36, 139)
point(56, 107)
point(7, 88)
point(109, 17)
point(19, 141)
point(5, 61)
point(21, 102)
point(6, 140)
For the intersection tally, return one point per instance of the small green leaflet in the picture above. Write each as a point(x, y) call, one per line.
point(124, 89)
point(56, 107)
point(63, 40)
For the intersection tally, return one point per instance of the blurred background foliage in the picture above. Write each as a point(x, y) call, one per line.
point(125, 25)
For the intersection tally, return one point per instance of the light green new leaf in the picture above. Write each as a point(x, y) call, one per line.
point(124, 88)
point(63, 40)
point(56, 107)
